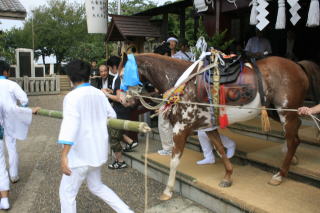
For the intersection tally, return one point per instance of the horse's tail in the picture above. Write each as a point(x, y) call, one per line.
point(312, 71)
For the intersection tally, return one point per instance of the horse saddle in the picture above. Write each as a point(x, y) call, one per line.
point(229, 70)
point(240, 85)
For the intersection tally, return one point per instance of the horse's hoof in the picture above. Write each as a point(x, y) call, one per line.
point(295, 160)
point(164, 197)
point(276, 180)
point(225, 183)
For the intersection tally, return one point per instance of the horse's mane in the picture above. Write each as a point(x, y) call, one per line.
point(164, 58)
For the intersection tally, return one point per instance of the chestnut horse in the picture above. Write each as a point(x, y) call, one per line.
point(285, 84)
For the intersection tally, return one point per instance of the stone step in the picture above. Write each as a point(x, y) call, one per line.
point(267, 155)
point(249, 192)
point(307, 132)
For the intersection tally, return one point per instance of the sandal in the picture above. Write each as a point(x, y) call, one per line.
point(117, 165)
point(130, 147)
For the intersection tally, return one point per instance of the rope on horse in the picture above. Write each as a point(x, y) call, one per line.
point(314, 118)
point(148, 106)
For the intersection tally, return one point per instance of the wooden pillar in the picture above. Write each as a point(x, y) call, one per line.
point(195, 27)
point(164, 26)
point(218, 11)
point(182, 23)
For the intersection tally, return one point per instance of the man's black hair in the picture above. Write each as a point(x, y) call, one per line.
point(4, 66)
point(163, 49)
point(113, 61)
point(78, 71)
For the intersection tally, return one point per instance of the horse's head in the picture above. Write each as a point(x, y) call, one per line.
point(130, 80)
point(160, 71)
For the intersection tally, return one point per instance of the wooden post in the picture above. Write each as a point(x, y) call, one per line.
point(195, 27)
point(218, 10)
point(164, 26)
point(182, 23)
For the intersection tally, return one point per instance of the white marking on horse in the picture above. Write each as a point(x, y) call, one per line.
point(178, 127)
point(237, 115)
point(283, 120)
point(167, 78)
point(175, 160)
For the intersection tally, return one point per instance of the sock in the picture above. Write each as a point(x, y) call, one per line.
point(206, 161)
point(230, 151)
point(4, 204)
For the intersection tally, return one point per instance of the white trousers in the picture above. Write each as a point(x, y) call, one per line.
point(13, 155)
point(165, 132)
point(70, 185)
point(207, 146)
point(4, 178)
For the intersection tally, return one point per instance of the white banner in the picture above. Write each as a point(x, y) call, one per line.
point(96, 11)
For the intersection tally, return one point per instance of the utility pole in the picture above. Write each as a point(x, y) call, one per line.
point(32, 31)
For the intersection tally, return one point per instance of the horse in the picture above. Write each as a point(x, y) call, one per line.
point(285, 84)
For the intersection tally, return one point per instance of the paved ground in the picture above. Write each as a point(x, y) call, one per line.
point(40, 176)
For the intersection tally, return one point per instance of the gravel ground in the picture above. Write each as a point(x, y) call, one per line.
point(40, 175)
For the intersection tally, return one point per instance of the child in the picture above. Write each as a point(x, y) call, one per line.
point(84, 137)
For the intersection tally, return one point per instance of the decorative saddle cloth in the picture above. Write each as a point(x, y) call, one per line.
point(239, 80)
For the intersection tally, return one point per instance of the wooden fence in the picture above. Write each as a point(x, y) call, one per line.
point(39, 85)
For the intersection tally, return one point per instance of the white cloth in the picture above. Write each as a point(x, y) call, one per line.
point(183, 55)
point(13, 156)
point(114, 81)
point(258, 45)
point(4, 178)
point(165, 132)
point(207, 147)
point(70, 185)
point(104, 83)
point(84, 126)
point(15, 120)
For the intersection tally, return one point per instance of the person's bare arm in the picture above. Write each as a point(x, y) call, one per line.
point(64, 160)
point(309, 110)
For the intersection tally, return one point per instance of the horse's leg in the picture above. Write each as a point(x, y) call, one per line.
point(179, 144)
point(216, 141)
point(291, 124)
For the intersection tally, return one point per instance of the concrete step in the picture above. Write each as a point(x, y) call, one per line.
point(307, 132)
point(249, 192)
point(267, 155)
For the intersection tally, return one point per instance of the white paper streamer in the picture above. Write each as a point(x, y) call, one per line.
point(294, 11)
point(262, 14)
point(313, 15)
point(254, 12)
point(281, 17)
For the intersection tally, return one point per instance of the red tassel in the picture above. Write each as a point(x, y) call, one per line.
point(223, 117)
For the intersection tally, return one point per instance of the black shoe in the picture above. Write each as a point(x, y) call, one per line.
point(130, 147)
point(117, 165)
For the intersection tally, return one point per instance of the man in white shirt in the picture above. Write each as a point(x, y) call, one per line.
point(184, 53)
point(258, 46)
point(14, 123)
point(14, 96)
point(84, 136)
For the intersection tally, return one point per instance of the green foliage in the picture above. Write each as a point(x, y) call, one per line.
point(130, 7)
point(218, 41)
point(58, 29)
point(5, 51)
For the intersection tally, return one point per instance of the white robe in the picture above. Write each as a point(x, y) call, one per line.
point(15, 120)
point(85, 112)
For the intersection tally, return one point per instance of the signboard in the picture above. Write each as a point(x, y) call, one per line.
point(96, 11)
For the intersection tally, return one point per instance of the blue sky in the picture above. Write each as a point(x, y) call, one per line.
point(30, 4)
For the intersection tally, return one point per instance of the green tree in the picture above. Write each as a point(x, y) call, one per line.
point(130, 7)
